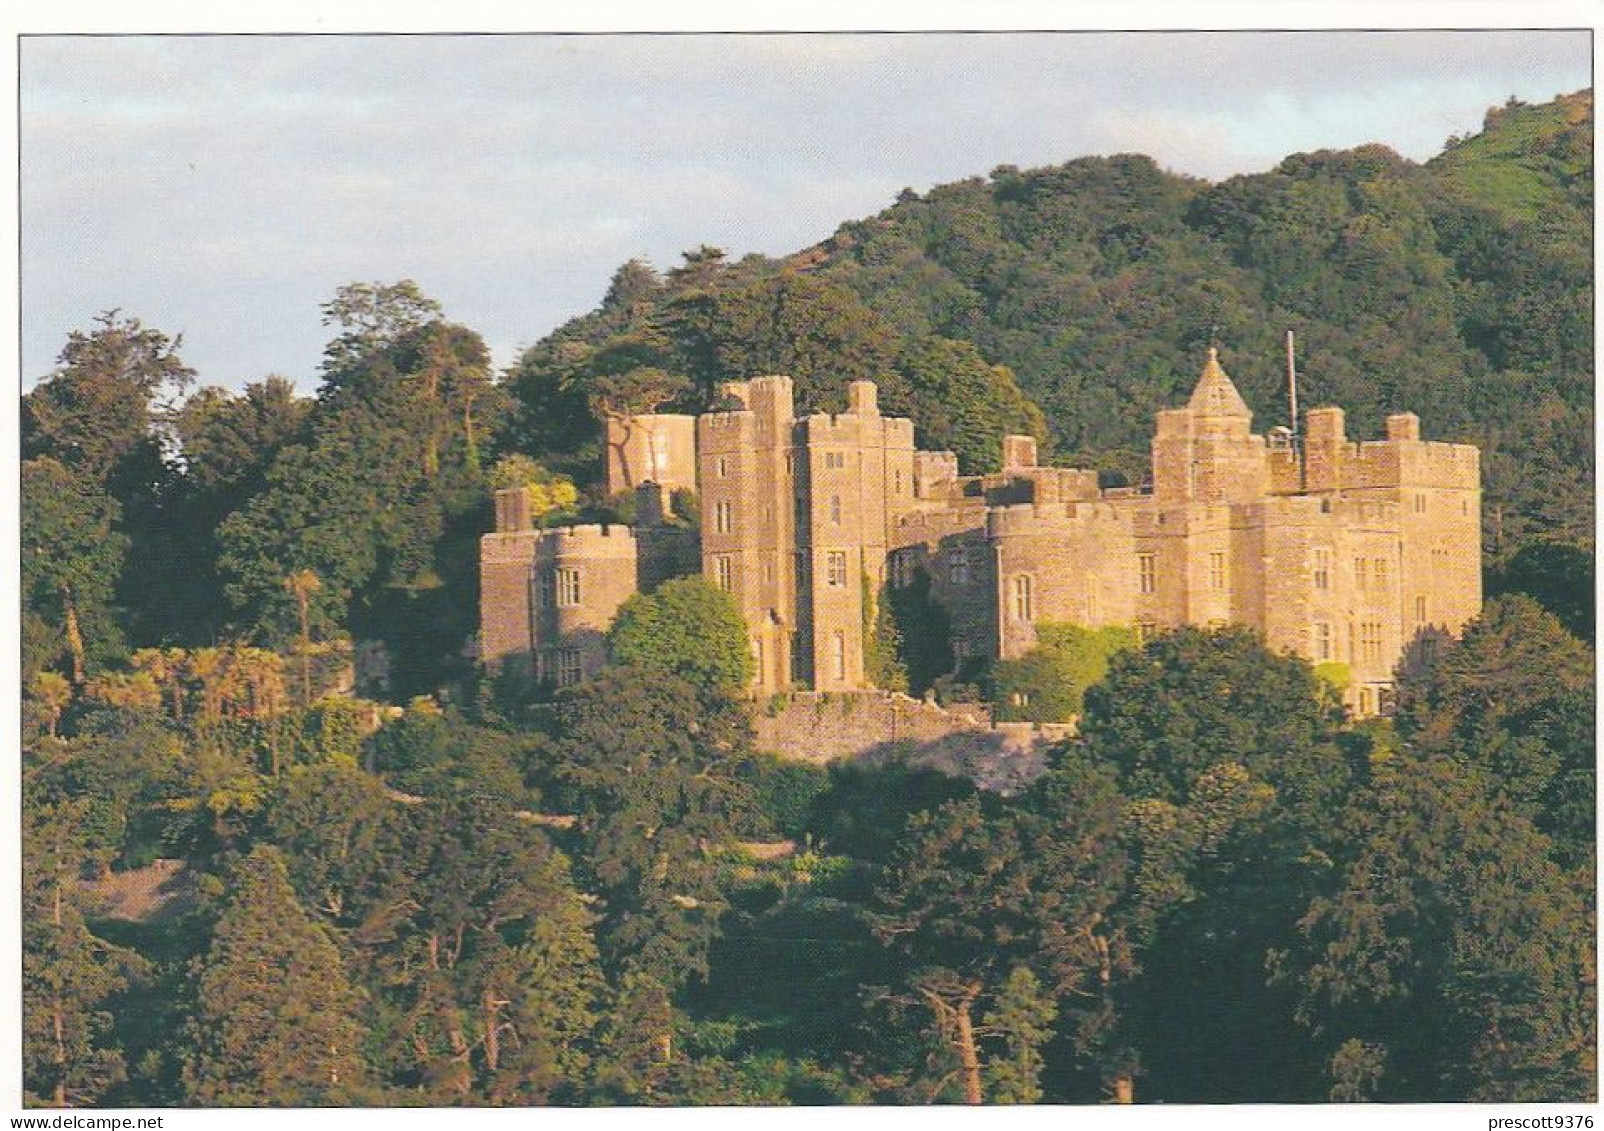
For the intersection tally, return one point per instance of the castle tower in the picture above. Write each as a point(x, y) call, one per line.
point(1206, 451)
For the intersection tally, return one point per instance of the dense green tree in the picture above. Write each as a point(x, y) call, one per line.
point(95, 412)
point(473, 927)
point(649, 765)
point(327, 819)
point(963, 404)
point(1451, 946)
point(1558, 576)
point(72, 555)
point(277, 1022)
point(373, 499)
point(811, 330)
point(1514, 697)
point(1193, 698)
point(67, 972)
point(1048, 683)
point(980, 886)
point(688, 629)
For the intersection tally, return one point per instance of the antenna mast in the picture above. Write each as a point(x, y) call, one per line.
point(1292, 387)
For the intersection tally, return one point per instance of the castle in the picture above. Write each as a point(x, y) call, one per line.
point(1348, 553)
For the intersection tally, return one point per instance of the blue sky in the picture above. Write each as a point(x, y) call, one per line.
point(223, 187)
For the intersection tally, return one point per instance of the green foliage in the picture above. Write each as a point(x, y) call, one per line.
point(923, 632)
point(1022, 1017)
point(549, 493)
point(1514, 697)
point(1450, 945)
point(277, 1022)
point(648, 765)
point(67, 972)
point(472, 925)
point(784, 793)
point(1048, 684)
point(1193, 698)
point(1558, 576)
point(963, 404)
point(688, 629)
point(882, 642)
point(72, 555)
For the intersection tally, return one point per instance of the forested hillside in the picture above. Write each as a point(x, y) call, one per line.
point(284, 843)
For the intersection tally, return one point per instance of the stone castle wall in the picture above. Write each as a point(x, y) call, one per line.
point(824, 727)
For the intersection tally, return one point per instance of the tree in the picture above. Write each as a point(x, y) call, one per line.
point(72, 556)
point(96, 414)
point(1022, 1017)
point(485, 953)
point(649, 768)
point(963, 404)
point(551, 496)
point(1450, 947)
point(980, 887)
point(68, 974)
point(688, 629)
point(1048, 684)
point(1515, 697)
point(1193, 698)
point(816, 332)
point(277, 1022)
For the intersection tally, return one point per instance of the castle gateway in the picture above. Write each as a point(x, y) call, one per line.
point(1348, 553)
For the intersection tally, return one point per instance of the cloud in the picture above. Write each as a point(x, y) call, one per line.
point(224, 186)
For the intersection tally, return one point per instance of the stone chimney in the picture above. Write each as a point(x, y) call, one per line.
point(512, 510)
point(1018, 452)
point(1403, 426)
point(863, 399)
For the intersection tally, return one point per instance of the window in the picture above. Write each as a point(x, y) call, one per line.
point(1144, 631)
point(1020, 698)
point(835, 509)
point(545, 590)
point(570, 668)
point(723, 467)
point(1324, 646)
point(1322, 568)
point(1217, 571)
point(835, 569)
point(723, 517)
point(1367, 701)
point(768, 571)
point(567, 588)
point(1380, 573)
point(1146, 578)
point(1094, 607)
point(898, 489)
point(901, 571)
point(1420, 610)
point(1024, 607)
point(834, 461)
point(1420, 504)
point(1361, 573)
point(757, 655)
point(838, 650)
point(1370, 641)
point(958, 567)
point(724, 571)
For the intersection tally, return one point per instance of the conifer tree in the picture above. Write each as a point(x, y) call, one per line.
point(67, 972)
point(277, 1022)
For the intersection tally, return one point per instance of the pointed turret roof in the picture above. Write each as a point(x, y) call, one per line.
point(1215, 395)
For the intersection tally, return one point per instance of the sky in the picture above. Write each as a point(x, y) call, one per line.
point(223, 187)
